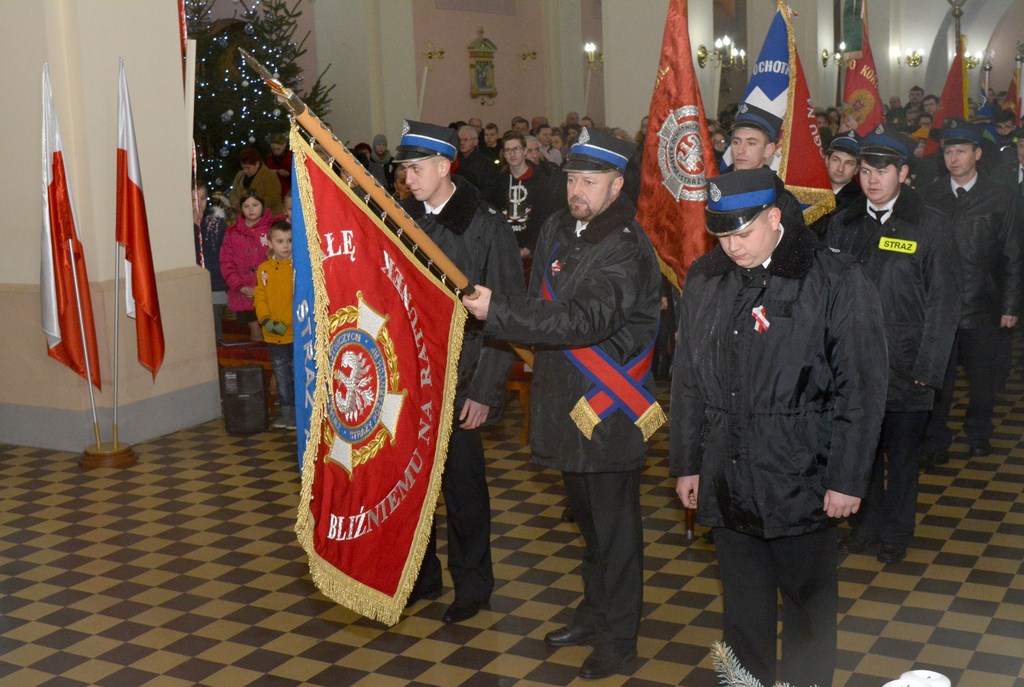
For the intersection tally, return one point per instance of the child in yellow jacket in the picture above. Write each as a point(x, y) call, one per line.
point(275, 282)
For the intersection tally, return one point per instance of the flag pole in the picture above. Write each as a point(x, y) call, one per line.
point(85, 345)
point(117, 338)
point(114, 454)
point(357, 174)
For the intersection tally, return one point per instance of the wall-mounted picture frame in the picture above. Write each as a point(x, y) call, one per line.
point(482, 83)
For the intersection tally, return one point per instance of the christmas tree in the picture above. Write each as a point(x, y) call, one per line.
point(233, 107)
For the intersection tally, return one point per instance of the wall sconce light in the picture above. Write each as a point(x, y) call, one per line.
point(724, 55)
point(974, 60)
point(433, 55)
point(913, 58)
point(837, 56)
point(525, 55)
point(595, 60)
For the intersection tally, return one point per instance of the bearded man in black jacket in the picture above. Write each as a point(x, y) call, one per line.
point(481, 245)
point(592, 313)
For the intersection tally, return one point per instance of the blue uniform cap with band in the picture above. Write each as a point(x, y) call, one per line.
point(848, 143)
point(955, 131)
point(421, 140)
point(736, 198)
point(752, 116)
point(596, 151)
point(887, 141)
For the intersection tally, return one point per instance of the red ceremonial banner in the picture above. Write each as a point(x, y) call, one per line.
point(860, 91)
point(802, 164)
point(678, 157)
point(387, 343)
point(953, 101)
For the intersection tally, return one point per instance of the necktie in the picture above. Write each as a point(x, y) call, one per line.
point(878, 214)
point(961, 192)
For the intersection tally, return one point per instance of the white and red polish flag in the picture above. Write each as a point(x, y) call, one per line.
point(140, 294)
point(67, 324)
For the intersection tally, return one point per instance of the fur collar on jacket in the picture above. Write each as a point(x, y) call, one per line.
point(458, 212)
point(791, 259)
point(617, 215)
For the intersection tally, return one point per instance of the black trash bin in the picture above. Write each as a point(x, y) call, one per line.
point(243, 400)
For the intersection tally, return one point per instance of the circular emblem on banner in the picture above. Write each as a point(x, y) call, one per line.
point(681, 154)
point(363, 403)
point(358, 384)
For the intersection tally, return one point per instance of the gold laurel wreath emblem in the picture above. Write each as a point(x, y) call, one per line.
point(369, 449)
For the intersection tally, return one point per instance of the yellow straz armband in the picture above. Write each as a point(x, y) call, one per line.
point(897, 245)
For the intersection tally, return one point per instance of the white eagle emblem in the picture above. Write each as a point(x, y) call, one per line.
point(716, 193)
point(359, 392)
point(584, 137)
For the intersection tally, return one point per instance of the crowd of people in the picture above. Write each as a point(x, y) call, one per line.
point(812, 367)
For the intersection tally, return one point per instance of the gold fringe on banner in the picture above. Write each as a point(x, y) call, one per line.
point(335, 584)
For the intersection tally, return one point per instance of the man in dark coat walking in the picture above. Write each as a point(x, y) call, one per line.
point(592, 313)
point(841, 163)
point(481, 245)
point(985, 220)
point(778, 391)
point(907, 251)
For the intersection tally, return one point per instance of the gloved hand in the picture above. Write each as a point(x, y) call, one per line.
point(278, 327)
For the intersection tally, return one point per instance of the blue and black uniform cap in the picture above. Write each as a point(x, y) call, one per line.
point(887, 141)
point(421, 140)
point(736, 198)
point(848, 143)
point(596, 151)
point(754, 117)
point(956, 131)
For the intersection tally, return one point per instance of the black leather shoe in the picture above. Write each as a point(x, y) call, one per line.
point(602, 663)
point(567, 515)
point(570, 635)
point(980, 448)
point(460, 611)
point(933, 459)
point(891, 553)
point(853, 543)
point(419, 594)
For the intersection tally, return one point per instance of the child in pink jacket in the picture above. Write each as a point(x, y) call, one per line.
point(245, 247)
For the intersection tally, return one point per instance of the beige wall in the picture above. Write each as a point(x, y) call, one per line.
point(82, 42)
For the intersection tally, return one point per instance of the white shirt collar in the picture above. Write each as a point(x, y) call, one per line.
point(580, 227)
point(885, 209)
point(767, 262)
point(437, 211)
point(967, 187)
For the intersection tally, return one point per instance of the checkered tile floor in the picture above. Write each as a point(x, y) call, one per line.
point(184, 570)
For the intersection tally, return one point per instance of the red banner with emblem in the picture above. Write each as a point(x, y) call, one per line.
point(387, 339)
point(678, 157)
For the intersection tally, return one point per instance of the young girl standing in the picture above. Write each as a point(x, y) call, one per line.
point(244, 248)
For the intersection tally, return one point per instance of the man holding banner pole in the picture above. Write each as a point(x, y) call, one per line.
point(480, 243)
point(592, 313)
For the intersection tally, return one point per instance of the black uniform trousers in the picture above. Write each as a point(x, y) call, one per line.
point(805, 568)
point(468, 506)
point(606, 506)
point(983, 354)
point(888, 511)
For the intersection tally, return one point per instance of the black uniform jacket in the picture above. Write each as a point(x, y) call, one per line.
point(606, 286)
point(771, 419)
point(475, 237)
point(986, 226)
point(848, 195)
point(911, 260)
